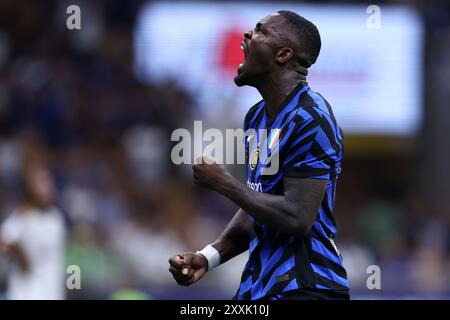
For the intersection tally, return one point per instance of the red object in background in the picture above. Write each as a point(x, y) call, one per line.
point(230, 53)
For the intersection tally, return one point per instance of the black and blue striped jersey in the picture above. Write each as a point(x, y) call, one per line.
point(308, 143)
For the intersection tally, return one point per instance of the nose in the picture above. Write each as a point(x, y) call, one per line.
point(248, 34)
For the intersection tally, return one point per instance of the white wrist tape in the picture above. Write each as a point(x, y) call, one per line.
point(212, 255)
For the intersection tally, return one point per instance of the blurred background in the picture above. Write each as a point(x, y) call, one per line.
point(93, 110)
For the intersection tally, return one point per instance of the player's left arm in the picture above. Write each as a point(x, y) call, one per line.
point(293, 212)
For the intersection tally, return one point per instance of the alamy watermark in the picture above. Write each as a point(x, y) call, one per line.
point(374, 279)
point(228, 148)
point(73, 21)
point(73, 281)
point(373, 22)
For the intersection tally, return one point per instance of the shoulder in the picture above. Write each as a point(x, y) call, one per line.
point(314, 121)
point(15, 216)
point(12, 226)
point(252, 113)
point(56, 214)
point(316, 106)
point(315, 111)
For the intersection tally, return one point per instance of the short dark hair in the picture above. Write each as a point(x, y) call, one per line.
point(307, 35)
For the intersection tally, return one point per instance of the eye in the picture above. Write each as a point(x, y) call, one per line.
point(258, 27)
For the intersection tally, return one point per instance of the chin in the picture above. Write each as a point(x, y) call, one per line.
point(239, 81)
point(242, 80)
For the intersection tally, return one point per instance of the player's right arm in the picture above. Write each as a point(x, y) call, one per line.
point(10, 234)
point(188, 268)
point(16, 251)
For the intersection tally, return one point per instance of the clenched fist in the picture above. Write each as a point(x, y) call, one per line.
point(188, 268)
point(210, 174)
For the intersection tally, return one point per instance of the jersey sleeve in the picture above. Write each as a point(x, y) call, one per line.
point(312, 151)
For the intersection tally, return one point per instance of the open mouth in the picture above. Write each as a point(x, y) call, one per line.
point(243, 48)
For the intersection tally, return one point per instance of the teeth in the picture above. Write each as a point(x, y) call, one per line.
point(241, 65)
point(242, 47)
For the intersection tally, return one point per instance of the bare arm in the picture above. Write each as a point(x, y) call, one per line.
point(293, 212)
point(235, 238)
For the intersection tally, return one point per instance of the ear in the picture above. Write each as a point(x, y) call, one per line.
point(284, 54)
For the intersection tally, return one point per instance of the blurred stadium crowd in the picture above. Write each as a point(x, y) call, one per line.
point(70, 101)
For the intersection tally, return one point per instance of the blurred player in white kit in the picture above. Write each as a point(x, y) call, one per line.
point(34, 237)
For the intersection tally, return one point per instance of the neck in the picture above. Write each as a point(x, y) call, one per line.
point(276, 89)
point(30, 204)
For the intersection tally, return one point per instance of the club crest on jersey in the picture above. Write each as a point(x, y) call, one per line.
point(254, 159)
